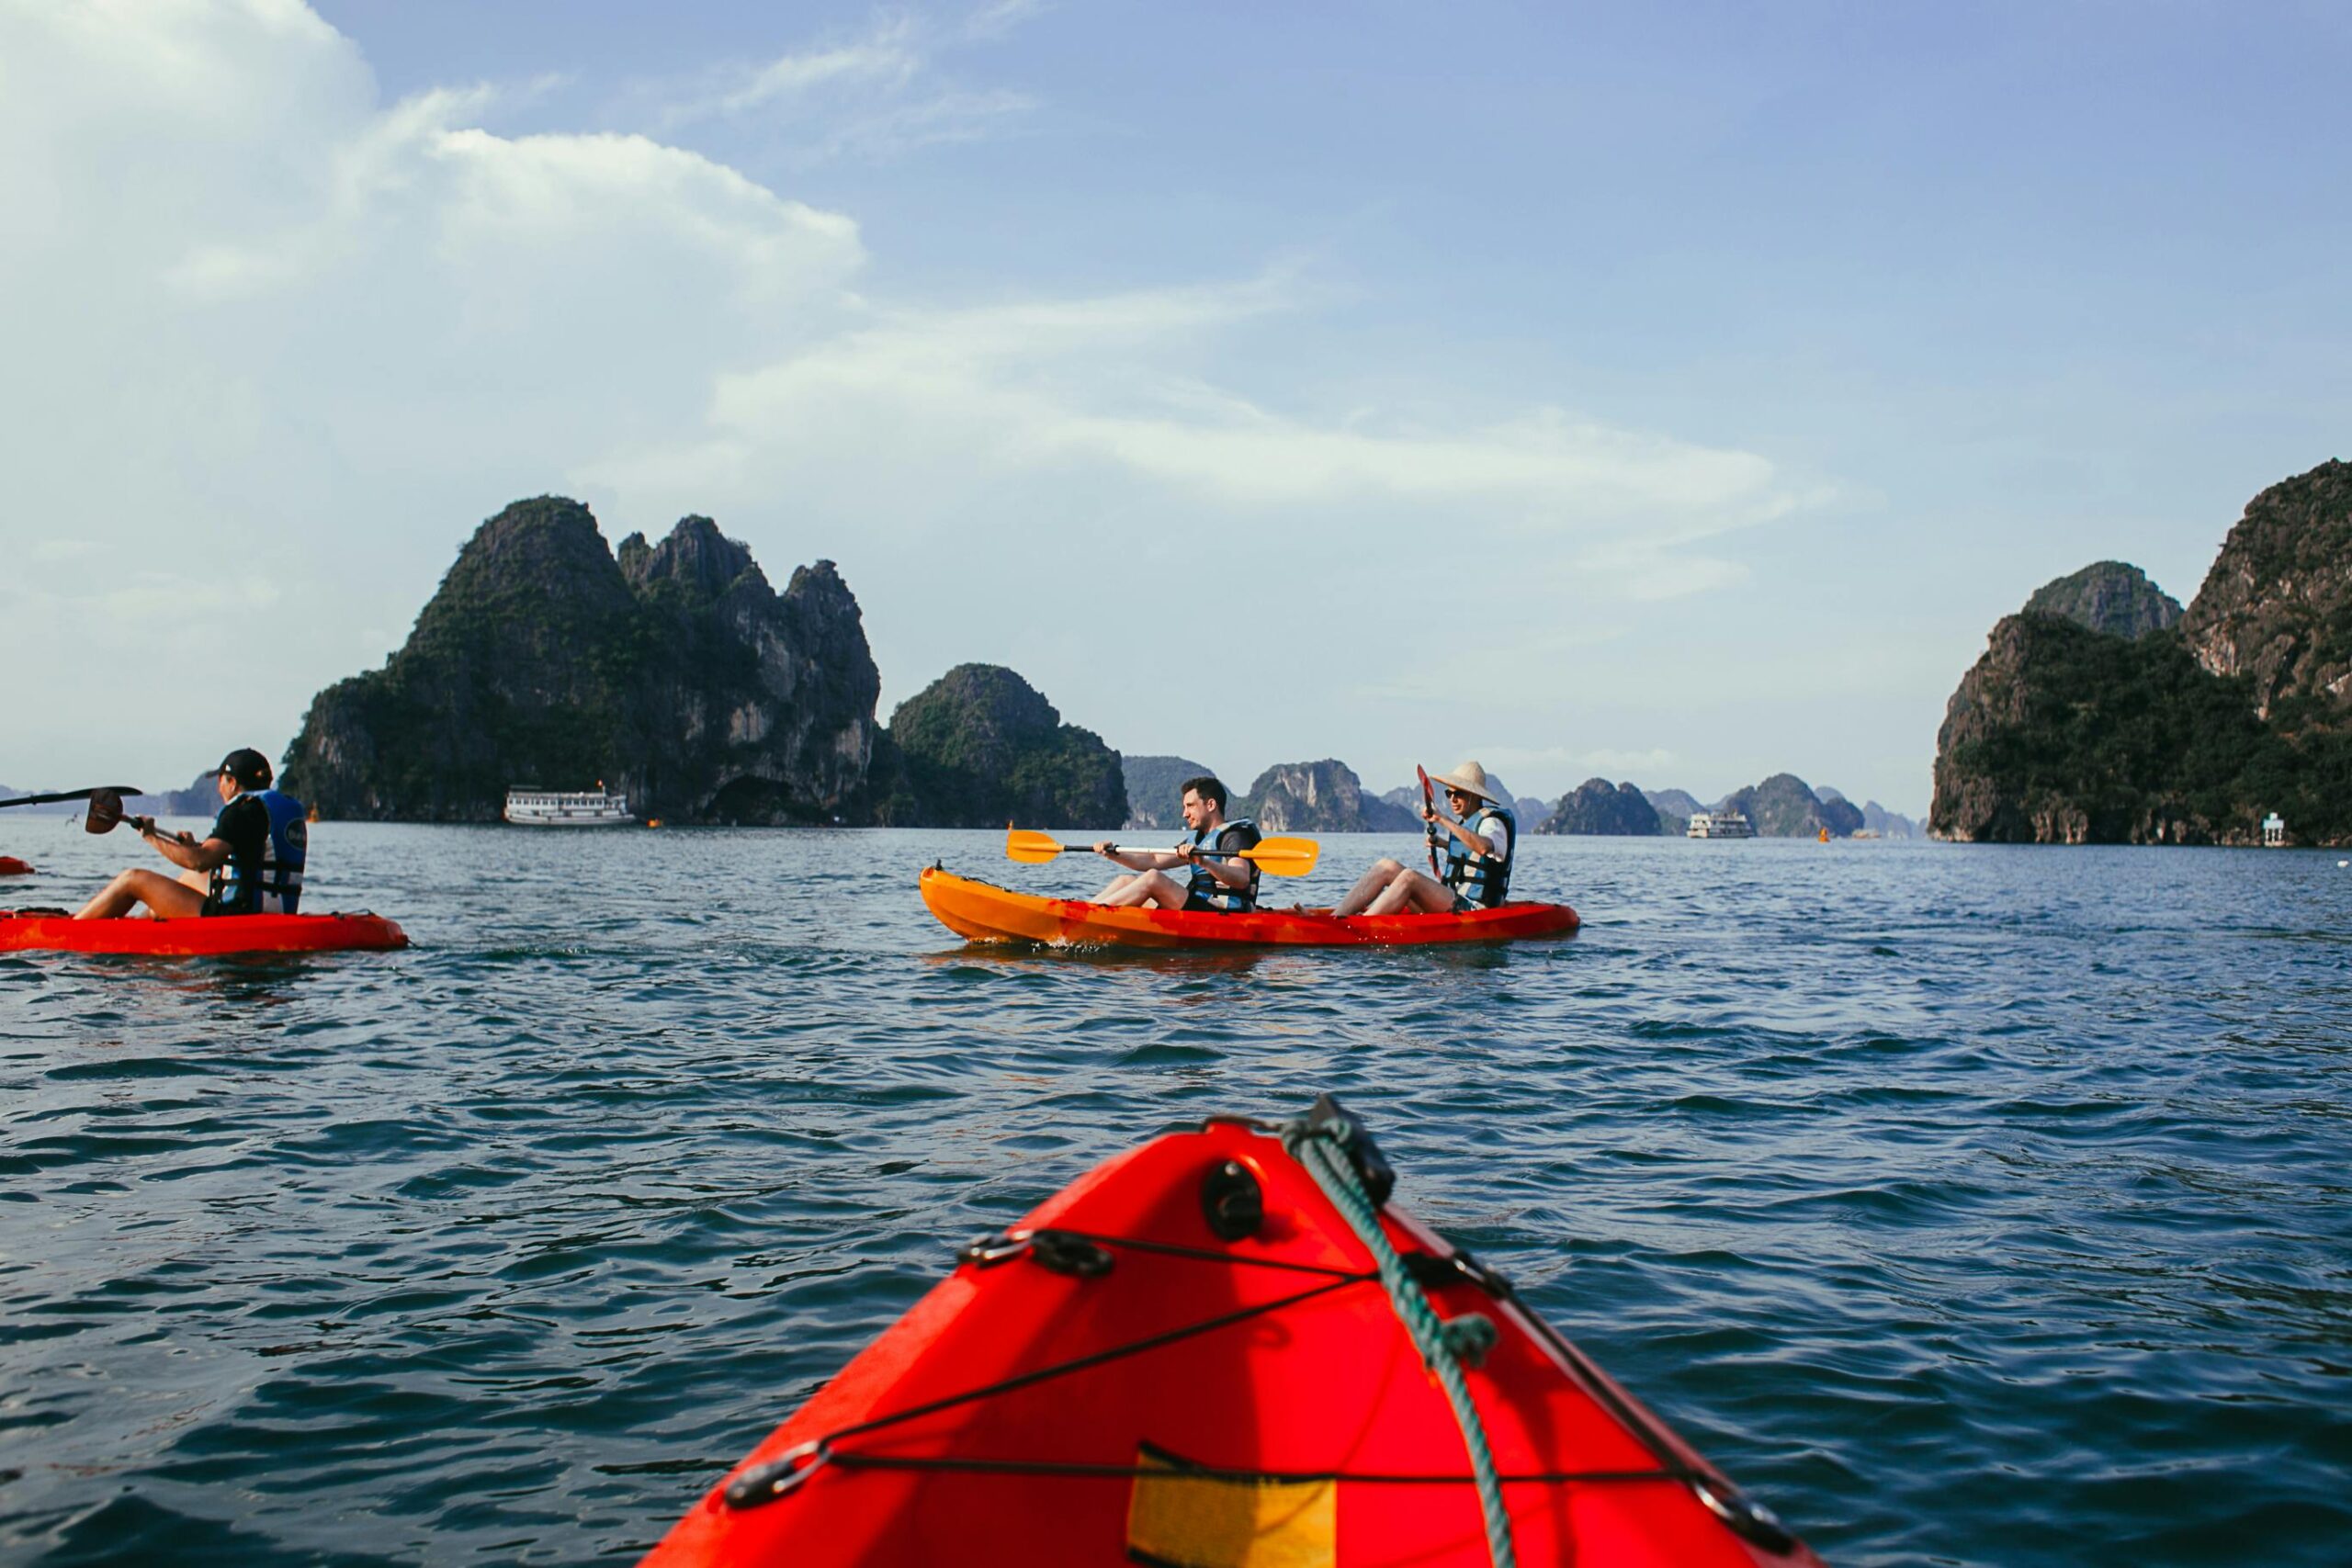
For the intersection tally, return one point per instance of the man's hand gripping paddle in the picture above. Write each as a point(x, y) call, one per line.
point(1278, 857)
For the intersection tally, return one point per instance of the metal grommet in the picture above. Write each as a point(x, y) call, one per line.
point(777, 1478)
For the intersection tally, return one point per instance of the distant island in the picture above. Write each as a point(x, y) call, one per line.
point(2103, 713)
point(675, 674)
point(1780, 807)
point(981, 747)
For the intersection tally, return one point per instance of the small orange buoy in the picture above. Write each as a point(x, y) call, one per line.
point(1824, 835)
point(653, 822)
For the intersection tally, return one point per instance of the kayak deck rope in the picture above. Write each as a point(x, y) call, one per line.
point(778, 1477)
point(1319, 1141)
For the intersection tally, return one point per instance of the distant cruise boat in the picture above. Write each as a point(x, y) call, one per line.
point(1721, 825)
point(566, 808)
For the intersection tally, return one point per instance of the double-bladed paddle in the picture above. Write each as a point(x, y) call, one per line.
point(106, 805)
point(118, 791)
point(106, 813)
point(1281, 857)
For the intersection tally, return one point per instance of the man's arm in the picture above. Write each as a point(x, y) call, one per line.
point(1478, 843)
point(1228, 871)
point(186, 852)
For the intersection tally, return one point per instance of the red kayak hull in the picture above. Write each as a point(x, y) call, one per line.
point(1330, 1384)
point(981, 912)
point(11, 866)
point(201, 938)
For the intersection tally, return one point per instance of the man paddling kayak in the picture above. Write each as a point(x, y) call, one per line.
point(1222, 885)
point(251, 861)
point(1479, 841)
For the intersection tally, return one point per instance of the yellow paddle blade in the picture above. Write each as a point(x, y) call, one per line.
point(1285, 857)
point(1029, 848)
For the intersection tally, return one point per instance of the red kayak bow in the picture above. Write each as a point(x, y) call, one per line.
point(1223, 1349)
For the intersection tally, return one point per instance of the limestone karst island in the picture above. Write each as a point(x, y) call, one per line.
point(677, 675)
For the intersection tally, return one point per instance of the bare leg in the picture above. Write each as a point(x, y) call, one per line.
point(158, 892)
point(1145, 887)
point(1415, 891)
point(1368, 886)
point(1115, 884)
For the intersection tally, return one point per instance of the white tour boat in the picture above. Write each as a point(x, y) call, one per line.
point(566, 808)
point(1721, 825)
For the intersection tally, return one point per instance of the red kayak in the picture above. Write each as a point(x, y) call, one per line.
point(42, 931)
point(11, 866)
point(1193, 1355)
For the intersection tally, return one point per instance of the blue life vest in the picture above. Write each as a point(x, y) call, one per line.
point(1481, 879)
point(276, 887)
point(1207, 889)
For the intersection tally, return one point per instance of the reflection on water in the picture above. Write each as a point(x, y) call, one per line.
point(1889, 1173)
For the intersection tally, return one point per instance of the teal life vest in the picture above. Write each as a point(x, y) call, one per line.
point(274, 886)
point(1482, 879)
point(1207, 889)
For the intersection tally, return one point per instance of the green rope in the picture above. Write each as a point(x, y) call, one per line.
point(1320, 1148)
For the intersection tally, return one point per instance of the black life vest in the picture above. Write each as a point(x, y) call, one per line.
point(1482, 879)
point(1207, 889)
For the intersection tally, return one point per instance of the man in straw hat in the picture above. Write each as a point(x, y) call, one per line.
point(1480, 840)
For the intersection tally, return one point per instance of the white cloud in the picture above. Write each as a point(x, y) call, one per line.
point(880, 95)
point(263, 327)
point(282, 342)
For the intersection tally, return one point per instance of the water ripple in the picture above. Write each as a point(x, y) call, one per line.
point(1967, 1206)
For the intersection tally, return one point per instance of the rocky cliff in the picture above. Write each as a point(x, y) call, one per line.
point(1155, 789)
point(1784, 807)
point(2063, 733)
point(981, 747)
point(1675, 807)
point(1596, 806)
point(2106, 596)
point(2277, 606)
point(1322, 798)
point(675, 674)
point(1888, 824)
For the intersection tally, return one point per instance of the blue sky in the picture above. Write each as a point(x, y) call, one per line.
point(1677, 394)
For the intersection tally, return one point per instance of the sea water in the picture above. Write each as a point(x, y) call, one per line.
point(1968, 1205)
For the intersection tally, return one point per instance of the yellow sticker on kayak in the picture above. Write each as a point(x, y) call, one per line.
point(1178, 1518)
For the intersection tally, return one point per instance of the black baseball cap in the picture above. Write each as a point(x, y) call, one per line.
point(247, 767)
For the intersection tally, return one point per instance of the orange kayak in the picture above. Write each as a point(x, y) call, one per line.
point(11, 866)
point(1193, 1355)
point(198, 938)
point(981, 912)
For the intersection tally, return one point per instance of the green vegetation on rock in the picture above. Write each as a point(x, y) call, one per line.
point(2108, 596)
point(1596, 806)
point(673, 674)
point(1784, 807)
point(2063, 734)
point(1321, 797)
point(1155, 787)
point(981, 747)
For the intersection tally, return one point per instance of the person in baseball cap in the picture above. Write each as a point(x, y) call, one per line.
point(251, 862)
point(1478, 842)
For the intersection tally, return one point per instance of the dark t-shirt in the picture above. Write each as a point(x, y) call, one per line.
point(244, 823)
